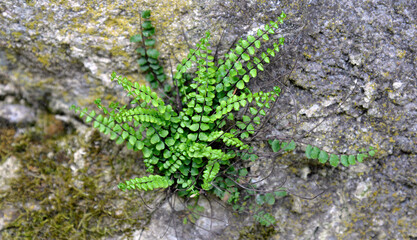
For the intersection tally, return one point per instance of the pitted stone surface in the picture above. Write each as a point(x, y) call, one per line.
point(356, 72)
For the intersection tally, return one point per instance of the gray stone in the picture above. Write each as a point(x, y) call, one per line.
point(17, 114)
point(355, 74)
point(8, 170)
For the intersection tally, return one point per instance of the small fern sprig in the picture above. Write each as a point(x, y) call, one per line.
point(313, 152)
point(148, 55)
point(145, 183)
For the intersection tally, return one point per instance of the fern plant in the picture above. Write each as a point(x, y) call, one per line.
point(148, 55)
point(197, 145)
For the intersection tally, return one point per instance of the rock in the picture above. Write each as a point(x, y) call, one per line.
point(356, 71)
point(17, 114)
point(8, 170)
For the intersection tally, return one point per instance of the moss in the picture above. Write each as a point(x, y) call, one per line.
point(10, 56)
point(54, 202)
point(401, 54)
point(44, 59)
point(257, 232)
point(6, 136)
point(17, 35)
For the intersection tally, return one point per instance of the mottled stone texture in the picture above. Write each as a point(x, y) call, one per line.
point(355, 73)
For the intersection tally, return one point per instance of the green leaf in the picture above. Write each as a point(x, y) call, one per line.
point(315, 153)
point(276, 146)
point(251, 50)
point(259, 32)
point(160, 146)
point(146, 14)
point(259, 199)
point(219, 87)
point(246, 78)
point(169, 141)
point(239, 49)
point(120, 140)
point(149, 42)
point(260, 66)
point(141, 51)
point(334, 160)
point(144, 67)
point(244, 135)
point(253, 110)
point(245, 57)
point(251, 39)
point(125, 134)
point(142, 61)
point(240, 125)
point(204, 127)
point(153, 53)
point(202, 136)
point(155, 67)
point(198, 108)
point(253, 73)
point(245, 43)
point(250, 128)
point(155, 103)
point(351, 160)
point(371, 153)
point(183, 168)
point(136, 38)
point(269, 199)
point(150, 132)
point(147, 24)
point(163, 133)
point(238, 65)
point(139, 145)
point(149, 32)
point(192, 136)
point(257, 44)
point(323, 156)
point(146, 152)
point(194, 127)
point(155, 138)
point(280, 193)
point(149, 77)
point(132, 140)
point(194, 171)
point(240, 84)
point(360, 157)
point(113, 135)
point(232, 72)
point(309, 148)
point(243, 172)
point(245, 118)
point(290, 146)
point(344, 160)
point(162, 77)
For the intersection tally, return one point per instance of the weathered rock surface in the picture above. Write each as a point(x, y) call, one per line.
point(355, 73)
point(18, 114)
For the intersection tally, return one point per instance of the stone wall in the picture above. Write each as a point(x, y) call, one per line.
point(355, 74)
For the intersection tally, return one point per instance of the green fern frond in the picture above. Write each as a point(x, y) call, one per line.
point(145, 183)
point(209, 174)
